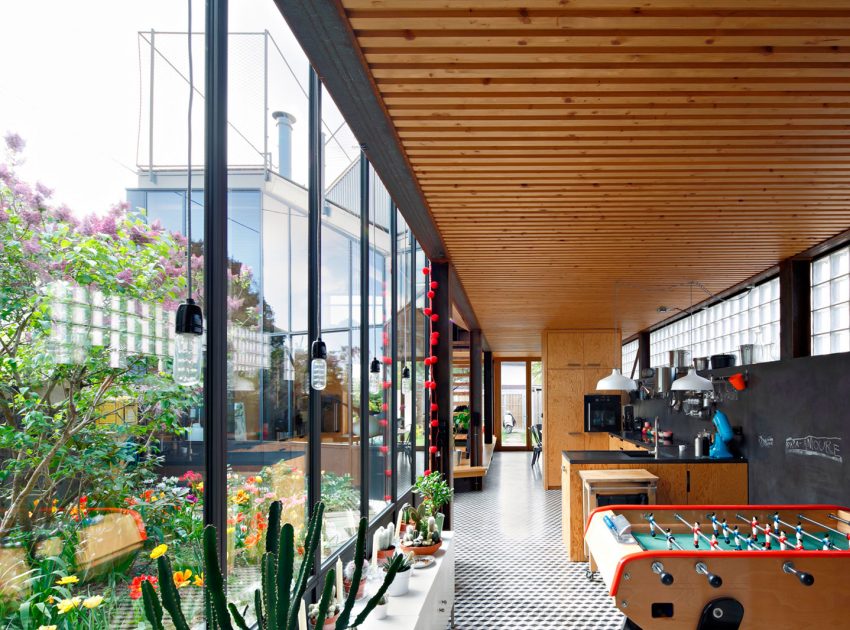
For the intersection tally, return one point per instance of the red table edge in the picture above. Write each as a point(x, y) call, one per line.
point(621, 565)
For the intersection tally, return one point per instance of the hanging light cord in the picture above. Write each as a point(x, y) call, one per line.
point(189, 159)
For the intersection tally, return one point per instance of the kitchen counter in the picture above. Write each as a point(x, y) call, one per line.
point(667, 455)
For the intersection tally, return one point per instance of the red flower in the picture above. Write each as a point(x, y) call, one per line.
point(136, 585)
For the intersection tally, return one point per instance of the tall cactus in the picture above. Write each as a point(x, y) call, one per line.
point(278, 600)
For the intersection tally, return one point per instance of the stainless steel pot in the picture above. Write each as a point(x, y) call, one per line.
point(747, 353)
point(679, 358)
point(663, 379)
point(700, 364)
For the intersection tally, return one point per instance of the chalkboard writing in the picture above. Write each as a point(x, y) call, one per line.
point(827, 447)
point(765, 441)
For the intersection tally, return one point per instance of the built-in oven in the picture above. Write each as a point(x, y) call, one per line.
point(602, 413)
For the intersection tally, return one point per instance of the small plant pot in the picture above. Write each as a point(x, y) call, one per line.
point(346, 584)
point(440, 518)
point(380, 611)
point(330, 622)
point(400, 585)
point(422, 551)
point(385, 555)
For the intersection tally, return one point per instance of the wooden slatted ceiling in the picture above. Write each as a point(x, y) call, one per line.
point(585, 159)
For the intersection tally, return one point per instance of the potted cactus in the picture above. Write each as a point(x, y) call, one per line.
point(348, 576)
point(421, 535)
point(331, 615)
point(278, 601)
point(401, 584)
point(381, 608)
point(383, 544)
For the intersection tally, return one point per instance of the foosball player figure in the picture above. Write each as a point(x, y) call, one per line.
point(651, 525)
point(737, 536)
point(776, 521)
point(714, 544)
point(827, 543)
point(783, 541)
point(755, 525)
point(669, 539)
point(767, 539)
point(715, 525)
point(799, 532)
point(725, 527)
point(696, 531)
point(751, 543)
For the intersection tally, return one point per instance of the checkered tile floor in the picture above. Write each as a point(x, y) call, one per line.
point(511, 569)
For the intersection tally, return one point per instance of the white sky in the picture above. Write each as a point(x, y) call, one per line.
point(71, 89)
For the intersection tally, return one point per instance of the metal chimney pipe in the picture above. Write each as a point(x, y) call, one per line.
point(285, 121)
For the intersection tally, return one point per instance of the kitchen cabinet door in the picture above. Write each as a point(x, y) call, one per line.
point(564, 402)
point(601, 349)
point(564, 350)
point(718, 484)
point(672, 482)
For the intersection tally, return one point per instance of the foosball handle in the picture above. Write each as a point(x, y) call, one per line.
point(714, 580)
point(806, 579)
point(658, 569)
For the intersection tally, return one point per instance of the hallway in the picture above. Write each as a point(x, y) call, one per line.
point(511, 568)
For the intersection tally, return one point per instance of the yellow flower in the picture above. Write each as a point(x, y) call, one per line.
point(158, 551)
point(199, 579)
point(53, 627)
point(93, 602)
point(258, 479)
point(68, 579)
point(181, 578)
point(241, 497)
point(68, 604)
point(230, 530)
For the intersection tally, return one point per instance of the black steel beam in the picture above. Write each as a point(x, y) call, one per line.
point(795, 309)
point(364, 335)
point(392, 415)
point(476, 448)
point(411, 396)
point(215, 269)
point(442, 374)
point(325, 34)
point(644, 360)
point(314, 281)
point(488, 397)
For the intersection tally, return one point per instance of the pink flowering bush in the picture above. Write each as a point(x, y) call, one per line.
point(57, 442)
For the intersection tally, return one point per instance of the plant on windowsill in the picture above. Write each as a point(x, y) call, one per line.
point(348, 577)
point(383, 543)
point(381, 608)
point(421, 535)
point(435, 493)
point(401, 584)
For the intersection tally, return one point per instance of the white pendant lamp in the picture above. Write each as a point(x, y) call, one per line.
point(692, 382)
point(617, 382)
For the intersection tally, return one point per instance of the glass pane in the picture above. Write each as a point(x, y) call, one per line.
point(423, 348)
point(513, 403)
point(405, 407)
point(820, 296)
point(839, 317)
point(840, 341)
point(820, 344)
point(840, 290)
point(341, 481)
point(838, 263)
point(820, 321)
point(268, 350)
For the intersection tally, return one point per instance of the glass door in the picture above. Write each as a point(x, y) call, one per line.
point(518, 402)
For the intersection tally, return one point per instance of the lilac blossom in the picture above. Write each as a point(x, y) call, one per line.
point(6, 175)
point(14, 142)
point(140, 236)
point(124, 277)
point(31, 246)
point(30, 217)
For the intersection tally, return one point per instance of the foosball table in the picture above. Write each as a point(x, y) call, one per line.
point(724, 567)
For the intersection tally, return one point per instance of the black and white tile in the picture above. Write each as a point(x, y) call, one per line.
point(511, 568)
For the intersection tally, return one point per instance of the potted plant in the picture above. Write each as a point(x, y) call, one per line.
point(348, 576)
point(330, 616)
point(381, 608)
point(435, 493)
point(421, 534)
point(383, 544)
point(461, 421)
point(401, 584)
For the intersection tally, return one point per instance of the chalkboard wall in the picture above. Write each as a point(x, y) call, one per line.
point(795, 417)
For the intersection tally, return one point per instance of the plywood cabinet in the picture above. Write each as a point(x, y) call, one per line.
point(717, 484)
point(573, 362)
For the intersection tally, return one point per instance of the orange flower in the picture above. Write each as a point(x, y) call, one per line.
point(199, 580)
point(252, 539)
point(182, 578)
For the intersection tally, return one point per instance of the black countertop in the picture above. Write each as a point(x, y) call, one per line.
point(668, 453)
